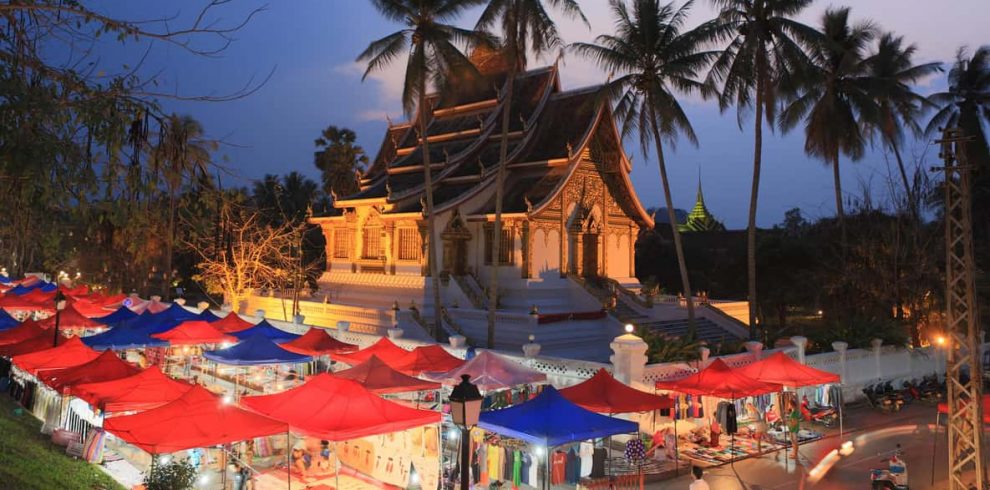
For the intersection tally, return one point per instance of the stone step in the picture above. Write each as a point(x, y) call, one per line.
point(705, 329)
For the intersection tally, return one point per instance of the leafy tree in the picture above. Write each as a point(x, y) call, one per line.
point(652, 56)
point(764, 48)
point(966, 103)
point(526, 25)
point(339, 158)
point(175, 475)
point(433, 56)
point(665, 348)
point(833, 97)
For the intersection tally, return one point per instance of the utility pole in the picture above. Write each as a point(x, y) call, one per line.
point(964, 366)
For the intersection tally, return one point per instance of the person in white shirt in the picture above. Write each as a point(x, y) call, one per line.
point(699, 483)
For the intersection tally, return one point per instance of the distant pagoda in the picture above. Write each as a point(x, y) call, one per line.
point(700, 219)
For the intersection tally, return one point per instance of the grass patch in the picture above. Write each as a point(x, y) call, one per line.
point(28, 459)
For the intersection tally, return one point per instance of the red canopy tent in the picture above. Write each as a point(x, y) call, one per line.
point(316, 342)
point(427, 358)
point(721, 381)
point(106, 367)
point(604, 394)
point(71, 317)
point(780, 369)
point(337, 409)
point(12, 302)
point(143, 391)
point(198, 418)
point(89, 307)
point(34, 344)
point(71, 353)
point(232, 323)
point(380, 378)
point(384, 349)
point(26, 330)
point(194, 332)
point(491, 371)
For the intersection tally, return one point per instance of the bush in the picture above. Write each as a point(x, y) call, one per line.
point(176, 475)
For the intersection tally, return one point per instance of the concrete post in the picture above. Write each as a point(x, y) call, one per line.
point(628, 358)
point(703, 354)
point(259, 314)
point(876, 343)
point(180, 301)
point(457, 341)
point(841, 347)
point(203, 306)
point(755, 348)
point(531, 349)
point(801, 343)
point(395, 333)
point(298, 319)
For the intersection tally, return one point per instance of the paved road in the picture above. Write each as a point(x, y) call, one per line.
point(872, 434)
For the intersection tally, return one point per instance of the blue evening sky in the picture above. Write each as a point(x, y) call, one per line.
point(312, 44)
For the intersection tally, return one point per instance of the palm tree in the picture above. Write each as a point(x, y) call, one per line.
point(892, 70)
point(182, 152)
point(652, 57)
point(525, 25)
point(764, 47)
point(433, 56)
point(833, 96)
point(339, 157)
point(966, 103)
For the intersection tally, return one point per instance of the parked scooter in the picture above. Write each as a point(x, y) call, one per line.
point(826, 416)
point(894, 476)
point(877, 399)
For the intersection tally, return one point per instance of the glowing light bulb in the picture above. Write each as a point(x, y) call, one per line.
point(630, 328)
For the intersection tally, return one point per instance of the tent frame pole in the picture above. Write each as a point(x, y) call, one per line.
point(288, 459)
point(935, 443)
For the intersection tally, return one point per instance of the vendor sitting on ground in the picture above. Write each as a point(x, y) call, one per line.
point(301, 459)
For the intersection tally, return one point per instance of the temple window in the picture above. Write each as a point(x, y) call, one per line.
point(409, 245)
point(505, 247)
point(371, 244)
point(343, 241)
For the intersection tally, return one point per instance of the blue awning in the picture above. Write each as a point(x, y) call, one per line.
point(268, 331)
point(551, 420)
point(7, 321)
point(123, 337)
point(254, 350)
point(207, 316)
point(119, 315)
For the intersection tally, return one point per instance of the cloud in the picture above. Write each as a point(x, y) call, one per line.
point(387, 83)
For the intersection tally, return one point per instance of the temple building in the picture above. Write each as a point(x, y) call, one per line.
point(570, 215)
point(700, 219)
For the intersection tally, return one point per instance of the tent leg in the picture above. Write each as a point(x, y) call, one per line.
point(677, 449)
point(336, 466)
point(288, 458)
point(934, 444)
point(841, 405)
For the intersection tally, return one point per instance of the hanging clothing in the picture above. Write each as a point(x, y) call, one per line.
point(507, 463)
point(494, 462)
point(730, 419)
point(598, 463)
point(558, 468)
point(573, 467)
point(585, 451)
point(531, 470)
point(516, 469)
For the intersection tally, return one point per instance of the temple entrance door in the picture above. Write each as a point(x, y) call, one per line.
point(459, 265)
point(590, 255)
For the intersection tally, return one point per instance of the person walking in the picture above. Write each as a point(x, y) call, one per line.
point(699, 482)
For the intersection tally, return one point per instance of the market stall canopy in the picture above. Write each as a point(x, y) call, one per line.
point(123, 337)
point(604, 394)
point(89, 308)
point(427, 358)
point(119, 315)
point(317, 341)
point(490, 371)
point(257, 349)
point(143, 391)
point(71, 353)
point(195, 332)
point(779, 368)
point(25, 303)
point(232, 323)
point(208, 316)
point(26, 330)
point(384, 349)
point(71, 318)
point(720, 381)
point(198, 418)
point(106, 367)
point(266, 330)
point(337, 409)
point(6, 321)
point(380, 378)
point(34, 344)
point(551, 420)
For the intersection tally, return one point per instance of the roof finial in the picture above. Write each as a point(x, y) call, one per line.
point(388, 120)
point(701, 197)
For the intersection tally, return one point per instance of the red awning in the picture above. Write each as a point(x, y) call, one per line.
point(604, 394)
point(195, 332)
point(491, 371)
point(779, 368)
point(34, 344)
point(72, 318)
point(107, 366)
point(337, 409)
point(721, 381)
point(143, 391)
point(12, 302)
point(232, 323)
point(26, 330)
point(427, 358)
point(71, 353)
point(198, 418)
point(379, 377)
point(316, 342)
point(384, 349)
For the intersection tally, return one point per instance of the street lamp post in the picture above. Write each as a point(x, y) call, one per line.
point(465, 407)
point(59, 306)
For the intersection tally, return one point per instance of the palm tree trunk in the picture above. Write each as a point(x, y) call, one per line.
point(912, 205)
point(839, 213)
point(753, 198)
point(431, 253)
point(497, 230)
point(678, 249)
point(169, 246)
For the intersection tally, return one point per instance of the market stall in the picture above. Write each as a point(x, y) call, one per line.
point(380, 378)
point(107, 366)
point(123, 337)
point(432, 358)
point(232, 323)
point(6, 321)
point(318, 342)
point(143, 391)
point(256, 360)
point(119, 315)
point(490, 371)
point(70, 320)
point(195, 332)
point(267, 330)
point(23, 331)
point(384, 349)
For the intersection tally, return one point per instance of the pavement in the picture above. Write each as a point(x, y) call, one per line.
point(873, 434)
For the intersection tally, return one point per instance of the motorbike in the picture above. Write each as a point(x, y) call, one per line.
point(894, 476)
point(878, 399)
point(826, 416)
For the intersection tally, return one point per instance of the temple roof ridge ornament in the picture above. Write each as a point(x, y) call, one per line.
point(700, 218)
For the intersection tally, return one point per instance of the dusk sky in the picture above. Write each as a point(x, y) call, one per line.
point(312, 44)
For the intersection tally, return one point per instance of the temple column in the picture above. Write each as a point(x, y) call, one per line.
point(578, 252)
point(391, 248)
point(632, 251)
point(424, 241)
point(527, 251)
point(564, 239)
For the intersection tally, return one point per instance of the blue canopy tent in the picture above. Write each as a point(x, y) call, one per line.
point(551, 420)
point(255, 350)
point(268, 331)
point(119, 315)
point(5, 279)
point(7, 321)
point(48, 287)
point(122, 338)
point(21, 290)
point(178, 312)
point(207, 316)
point(150, 323)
